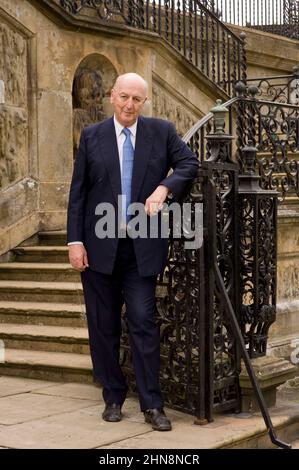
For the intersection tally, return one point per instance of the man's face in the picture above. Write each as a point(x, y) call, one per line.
point(128, 100)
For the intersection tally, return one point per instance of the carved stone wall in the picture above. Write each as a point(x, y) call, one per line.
point(14, 112)
point(166, 106)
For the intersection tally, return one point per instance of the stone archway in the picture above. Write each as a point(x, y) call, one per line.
point(92, 84)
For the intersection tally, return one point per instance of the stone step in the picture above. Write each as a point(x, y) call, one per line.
point(55, 237)
point(33, 291)
point(45, 365)
point(38, 272)
point(42, 313)
point(45, 338)
point(41, 254)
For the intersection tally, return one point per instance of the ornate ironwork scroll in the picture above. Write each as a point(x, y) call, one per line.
point(180, 300)
point(222, 229)
point(283, 89)
point(279, 138)
point(273, 127)
point(258, 257)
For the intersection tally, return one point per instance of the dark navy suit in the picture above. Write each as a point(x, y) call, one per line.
point(124, 270)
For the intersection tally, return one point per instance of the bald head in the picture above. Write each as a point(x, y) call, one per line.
point(132, 79)
point(128, 97)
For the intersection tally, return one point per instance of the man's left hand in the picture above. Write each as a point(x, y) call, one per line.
point(154, 202)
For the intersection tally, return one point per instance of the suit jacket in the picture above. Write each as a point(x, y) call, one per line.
point(97, 179)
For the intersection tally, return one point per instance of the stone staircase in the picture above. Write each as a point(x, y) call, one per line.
point(42, 314)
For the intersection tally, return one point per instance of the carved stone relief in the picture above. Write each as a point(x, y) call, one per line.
point(165, 106)
point(13, 109)
point(13, 140)
point(13, 66)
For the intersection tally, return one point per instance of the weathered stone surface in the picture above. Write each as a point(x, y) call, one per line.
point(73, 390)
point(17, 408)
point(15, 385)
point(286, 319)
point(18, 201)
point(54, 196)
point(270, 372)
point(284, 333)
point(289, 390)
point(2, 92)
point(14, 113)
point(288, 255)
point(167, 107)
point(268, 54)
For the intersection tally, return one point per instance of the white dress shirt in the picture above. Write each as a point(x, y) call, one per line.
point(120, 138)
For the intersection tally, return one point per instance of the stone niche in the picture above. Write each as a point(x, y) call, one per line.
point(92, 85)
point(14, 111)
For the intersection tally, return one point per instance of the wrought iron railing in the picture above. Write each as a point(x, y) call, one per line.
point(275, 16)
point(272, 126)
point(187, 25)
point(282, 89)
point(271, 129)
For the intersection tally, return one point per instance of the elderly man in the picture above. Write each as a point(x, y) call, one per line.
point(125, 158)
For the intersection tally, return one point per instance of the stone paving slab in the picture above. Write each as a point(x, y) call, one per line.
point(35, 414)
point(73, 390)
point(30, 406)
point(15, 385)
point(80, 429)
point(190, 436)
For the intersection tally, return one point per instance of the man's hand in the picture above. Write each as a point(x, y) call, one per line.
point(154, 202)
point(78, 257)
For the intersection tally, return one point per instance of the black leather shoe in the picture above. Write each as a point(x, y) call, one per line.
point(112, 413)
point(158, 419)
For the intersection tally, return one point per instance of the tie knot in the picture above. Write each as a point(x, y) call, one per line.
point(126, 131)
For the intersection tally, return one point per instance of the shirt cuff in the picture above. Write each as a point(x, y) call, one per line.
point(75, 243)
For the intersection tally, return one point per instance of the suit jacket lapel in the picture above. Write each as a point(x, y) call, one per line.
point(109, 151)
point(143, 146)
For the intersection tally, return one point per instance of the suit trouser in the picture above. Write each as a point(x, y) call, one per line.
point(104, 297)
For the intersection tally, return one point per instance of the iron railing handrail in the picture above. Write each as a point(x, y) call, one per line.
point(204, 120)
point(240, 341)
point(199, 124)
point(270, 103)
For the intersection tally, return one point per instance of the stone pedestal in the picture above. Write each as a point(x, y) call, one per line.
point(270, 373)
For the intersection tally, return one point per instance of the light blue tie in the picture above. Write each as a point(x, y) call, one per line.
point(126, 175)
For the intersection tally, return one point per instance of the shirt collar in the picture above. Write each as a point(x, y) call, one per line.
point(119, 127)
